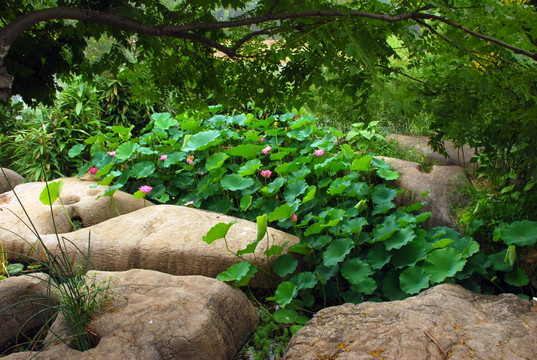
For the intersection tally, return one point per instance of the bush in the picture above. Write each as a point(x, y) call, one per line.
point(283, 169)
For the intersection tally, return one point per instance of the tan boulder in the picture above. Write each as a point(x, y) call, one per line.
point(455, 156)
point(166, 238)
point(444, 322)
point(443, 185)
point(22, 307)
point(80, 201)
point(159, 316)
point(8, 180)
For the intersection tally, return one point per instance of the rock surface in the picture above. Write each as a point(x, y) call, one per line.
point(164, 238)
point(443, 183)
point(443, 322)
point(159, 316)
point(8, 179)
point(20, 304)
point(456, 156)
point(80, 202)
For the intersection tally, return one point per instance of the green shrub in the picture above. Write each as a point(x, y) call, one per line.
point(357, 245)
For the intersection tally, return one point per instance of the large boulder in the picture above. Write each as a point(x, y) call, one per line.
point(159, 316)
point(165, 238)
point(81, 200)
point(459, 156)
point(8, 180)
point(445, 322)
point(443, 185)
point(24, 301)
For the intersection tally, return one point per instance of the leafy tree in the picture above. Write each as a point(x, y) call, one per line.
point(178, 40)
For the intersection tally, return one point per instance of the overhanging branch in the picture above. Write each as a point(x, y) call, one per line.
point(9, 33)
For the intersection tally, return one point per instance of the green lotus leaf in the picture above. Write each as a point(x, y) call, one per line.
point(413, 279)
point(520, 233)
point(443, 263)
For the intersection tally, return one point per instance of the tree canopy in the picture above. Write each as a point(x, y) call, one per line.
point(316, 43)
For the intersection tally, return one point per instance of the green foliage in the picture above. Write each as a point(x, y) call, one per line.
point(357, 245)
point(69, 291)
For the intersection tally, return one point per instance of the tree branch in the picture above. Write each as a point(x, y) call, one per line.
point(9, 33)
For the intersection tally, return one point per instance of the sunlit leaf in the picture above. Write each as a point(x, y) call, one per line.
point(520, 233)
point(443, 263)
point(219, 231)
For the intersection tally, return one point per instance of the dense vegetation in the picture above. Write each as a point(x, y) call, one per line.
point(281, 127)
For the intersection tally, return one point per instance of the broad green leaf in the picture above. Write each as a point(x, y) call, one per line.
point(284, 294)
point(366, 286)
point(234, 182)
point(216, 160)
point(250, 167)
point(284, 265)
point(219, 231)
point(274, 250)
point(384, 231)
point(246, 201)
point(300, 248)
point(520, 233)
point(388, 174)
point(240, 273)
point(246, 151)
point(249, 249)
point(443, 263)
point(517, 278)
point(378, 256)
point(310, 195)
point(381, 164)
point(143, 169)
point(76, 150)
point(414, 279)
point(51, 192)
point(337, 250)
point(285, 316)
point(261, 226)
point(281, 212)
point(390, 286)
point(274, 186)
point(202, 140)
point(400, 238)
point(355, 270)
point(174, 158)
point(305, 280)
point(383, 194)
point(163, 120)
point(361, 164)
point(408, 255)
point(338, 186)
point(294, 189)
point(125, 150)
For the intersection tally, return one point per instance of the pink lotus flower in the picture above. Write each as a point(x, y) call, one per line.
point(112, 153)
point(319, 152)
point(146, 189)
point(262, 139)
point(266, 150)
point(294, 218)
point(266, 173)
point(163, 157)
point(93, 170)
point(190, 159)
